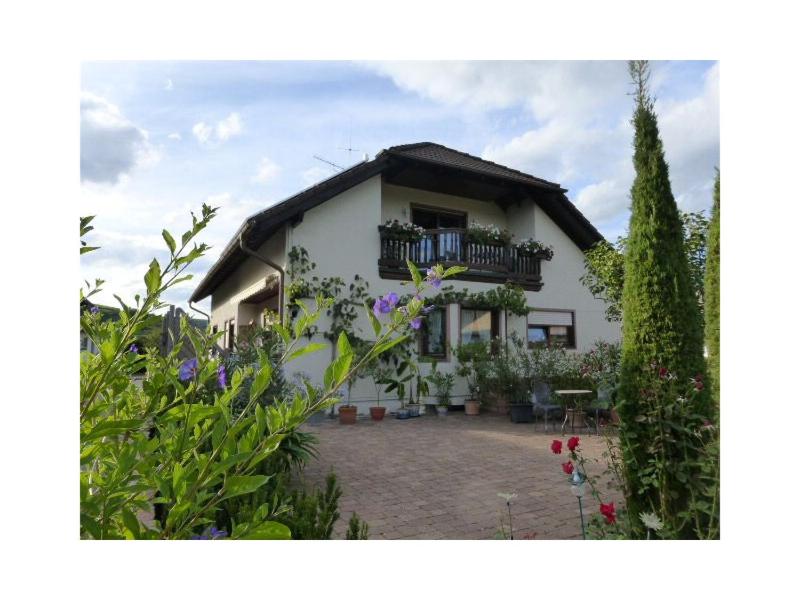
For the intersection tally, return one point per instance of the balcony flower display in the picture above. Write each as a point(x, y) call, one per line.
point(532, 247)
point(404, 232)
point(488, 234)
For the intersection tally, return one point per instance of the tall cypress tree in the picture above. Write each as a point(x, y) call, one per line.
point(712, 297)
point(661, 320)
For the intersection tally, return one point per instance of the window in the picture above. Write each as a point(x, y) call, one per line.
point(478, 325)
point(433, 339)
point(551, 328)
point(446, 245)
point(230, 330)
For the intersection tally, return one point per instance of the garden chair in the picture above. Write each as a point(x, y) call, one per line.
point(542, 401)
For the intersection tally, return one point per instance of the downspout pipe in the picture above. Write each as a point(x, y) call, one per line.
point(269, 263)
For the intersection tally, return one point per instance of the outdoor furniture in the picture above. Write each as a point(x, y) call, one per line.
point(572, 399)
point(541, 400)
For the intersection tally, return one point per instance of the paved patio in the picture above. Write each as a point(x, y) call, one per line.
point(438, 477)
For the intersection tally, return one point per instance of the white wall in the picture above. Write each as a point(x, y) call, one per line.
point(397, 202)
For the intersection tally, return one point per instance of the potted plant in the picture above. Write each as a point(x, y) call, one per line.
point(474, 367)
point(443, 382)
point(378, 371)
point(396, 382)
point(348, 412)
point(415, 407)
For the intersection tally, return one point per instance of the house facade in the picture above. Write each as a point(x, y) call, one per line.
point(340, 224)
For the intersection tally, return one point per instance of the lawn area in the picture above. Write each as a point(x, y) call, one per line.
point(438, 477)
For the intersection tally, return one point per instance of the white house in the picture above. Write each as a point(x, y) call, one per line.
point(443, 191)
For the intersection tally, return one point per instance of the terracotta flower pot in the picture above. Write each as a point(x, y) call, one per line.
point(347, 415)
point(377, 412)
point(472, 407)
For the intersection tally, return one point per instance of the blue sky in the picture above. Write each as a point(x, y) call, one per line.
point(160, 138)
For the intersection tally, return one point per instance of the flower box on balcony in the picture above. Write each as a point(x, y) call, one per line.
point(401, 232)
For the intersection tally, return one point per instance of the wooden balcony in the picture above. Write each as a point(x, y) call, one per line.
point(486, 262)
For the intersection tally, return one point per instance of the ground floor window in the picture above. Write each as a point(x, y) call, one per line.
point(479, 325)
point(551, 328)
point(433, 336)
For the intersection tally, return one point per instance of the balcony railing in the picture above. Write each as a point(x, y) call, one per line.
point(486, 262)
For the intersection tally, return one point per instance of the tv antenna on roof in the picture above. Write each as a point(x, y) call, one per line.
point(333, 164)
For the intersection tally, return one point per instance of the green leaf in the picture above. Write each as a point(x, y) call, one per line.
point(152, 279)
point(131, 523)
point(376, 325)
point(414, 273)
point(85, 249)
point(269, 530)
point(454, 271)
point(170, 240)
point(307, 349)
point(108, 428)
point(286, 336)
point(238, 485)
point(343, 346)
point(261, 381)
point(385, 345)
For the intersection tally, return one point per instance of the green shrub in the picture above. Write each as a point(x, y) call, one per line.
point(357, 529)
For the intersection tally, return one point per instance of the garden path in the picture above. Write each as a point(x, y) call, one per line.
point(438, 477)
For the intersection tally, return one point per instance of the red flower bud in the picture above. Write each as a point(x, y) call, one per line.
point(556, 446)
point(663, 372)
point(572, 443)
point(608, 511)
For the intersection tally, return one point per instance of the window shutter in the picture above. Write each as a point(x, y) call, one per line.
point(549, 317)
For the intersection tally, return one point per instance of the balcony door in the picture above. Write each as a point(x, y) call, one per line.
point(443, 245)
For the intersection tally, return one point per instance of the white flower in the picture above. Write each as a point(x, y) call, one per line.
point(507, 497)
point(651, 521)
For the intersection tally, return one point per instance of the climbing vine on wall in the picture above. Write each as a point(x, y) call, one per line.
point(345, 308)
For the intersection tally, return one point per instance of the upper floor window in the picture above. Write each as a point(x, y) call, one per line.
point(433, 335)
point(551, 328)
point(431, 218)
point(478, 325)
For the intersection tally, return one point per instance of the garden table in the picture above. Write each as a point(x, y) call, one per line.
point(569, 396)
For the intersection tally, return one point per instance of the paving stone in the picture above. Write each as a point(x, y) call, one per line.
point(432, 478)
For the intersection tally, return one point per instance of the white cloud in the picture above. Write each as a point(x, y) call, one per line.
point(168, 86)
point(174, 136)
point(602, 201)
point(111, 146)
point(202, 132)
point(224, 130)
point(267, 171)
point(229, 127)
point(547, 88)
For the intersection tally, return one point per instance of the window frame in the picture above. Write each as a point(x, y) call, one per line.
point(439, 210)
point(445, 356)
point(572, 330)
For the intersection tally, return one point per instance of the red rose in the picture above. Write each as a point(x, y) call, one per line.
point(568, 467)
point(662, 372)
point(608, 511)
point(572, 443)
point(556, 446)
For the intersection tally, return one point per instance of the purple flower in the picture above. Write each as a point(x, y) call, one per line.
point(188, 370)
point(416, 322)
point(94, 310)
point(211, 534)
point(222, 377)
point(433, 278)
point(134, 348)
point(384, 305)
